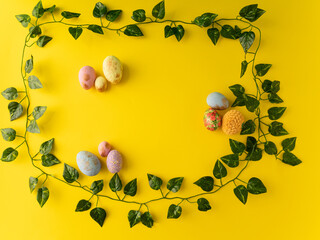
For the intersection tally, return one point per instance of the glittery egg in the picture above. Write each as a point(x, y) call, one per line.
point(88, 163)
point(211, 119)
point(87, 76)
point(104, 148)
point(232, 122)
point(217, 101)
point(112, 69)
point(114, 161)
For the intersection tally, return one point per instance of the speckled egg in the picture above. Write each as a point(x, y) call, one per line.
point(101, 84)
point(104, 148)
point(88, 163)
point(217, 101)
point(112, 69)
point(211, 119)
point(232, 122)
point(87, 76)
point(114, 161)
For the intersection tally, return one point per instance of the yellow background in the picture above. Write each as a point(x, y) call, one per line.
point(154, 118)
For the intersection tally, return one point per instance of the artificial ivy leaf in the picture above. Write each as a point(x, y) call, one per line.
point(291, 159)
point(232, 160)
point(237, 90)
point(255, 186)
point(131, 188)
point(113, 15)
point(139, 15)
point(43, 195)
point(115, 183)
point(251, 12)
point(83, 205)
point(241, 193)
point(228, 32)
point(219, 171)
point(24, 19)
point(38, 112)
point(289, 144)
point(96, 186)
point(205, 19)
point(237, 147)
point(68, 15)
point(43, 40)
point(49, 160)
point(174, 211)
point(251, 144)
point(206, 183)
point(244, 65)
point(34, 82)
point(203, 204)
point(266, 86)
point(46, 147)
point(174, 184)
point(275, 113)
point(275, 86)
point(99, 10)
point(33, 127)
point(251, 103)
point(159, 10)
point(178, 32)
point(34, 31)
point(237, 31)
point(240, 101)
point(270, 148)
point(95, 28)
point(146, 219)
point(154, 182)
point(214, 35)
point(99, 215)
point(75, 32)
point(134, 217)
point(255, 155)
point(10, 93)
point(133, 30)
point(8, 134)
point(32, 183)
point(246, 40)
point(262, 69)
point(15, 110)
point(276, 129)
point(168, 31)
point(50, 9)
point(9, 155)
point(29, 65)
point(248, 127)
point(38, 10)
point(274, 98)
point(70, 174)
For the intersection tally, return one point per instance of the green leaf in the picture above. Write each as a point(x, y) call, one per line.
point(241, 193)
point(251, 12)
point(168, 31)
point(240, 101)
point(49, 160)
point(38, 10)
point(50, 9)
point(159, 10)
point(246, 40)
point(262, 69)
point(244, 65)
point(237, 147)
point(33, 127)
point(75, 32)
point(133, 30)
point(237, 90)
point(274, 98)
point(251, 103)
point(10, 93)
point(206, 183)
point(34, 82)
point(266, 86)
point(70, 174)
point(154, 182)
point(248, 127)
point(147, 220)
point(113, 15)
point(34, 31)
point(174, 184)
point(255, 155)
point(174, 211)
point(68, 15)
point(43, 195)
point(219, 171)
point(9, 155)
point(32, 183)
point(99, 10)
point(38, 112)
point(96, 186)
point(275, 86)
point(115, 183)
point(139, 15)
point(291, 159)
point(203, 204)
point(131, 188)
point(213, 34)
point(255, 186)
point(29, 65)
point(228, 32)
point(134, 217)
point(99, 215)
point(276, 129)
point(289, 144)
point(46, 147)
point(178, 32)
point(237, 31)
point(95, 28)
point(232, 160)
point(251, 144)
point(205, 19)
point(24, 19)
point(83, 205)
point(270, 148)
point(15, 110)
point(275, 113)
point(8, 134)
point(43, 40)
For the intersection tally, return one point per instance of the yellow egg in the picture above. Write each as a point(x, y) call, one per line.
point(232, 122)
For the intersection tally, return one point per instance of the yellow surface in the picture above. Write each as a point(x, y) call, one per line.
point(154, 118)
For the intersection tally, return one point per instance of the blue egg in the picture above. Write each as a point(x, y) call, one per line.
point(88, 163)
point(217, 101)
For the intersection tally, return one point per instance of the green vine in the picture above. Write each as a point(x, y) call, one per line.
point(252, 150)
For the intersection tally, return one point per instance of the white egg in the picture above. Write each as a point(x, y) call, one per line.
point(217, 101)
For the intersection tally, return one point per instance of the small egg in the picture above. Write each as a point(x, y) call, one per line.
point(100, 84)
point(114, 161)
point(217, 101)
point(112, 69)
point(232, 122)
point(87, 76)
point(88, 163)
point(211, 119)
point(104, 148)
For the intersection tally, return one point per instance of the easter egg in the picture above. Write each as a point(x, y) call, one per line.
point(87, 76)
point(211, 119)
point(217, 101)
point(112, 69)
point(100, 84)
point(104, 148)
point(114, 161)
point(88, 163)
point(232, 122)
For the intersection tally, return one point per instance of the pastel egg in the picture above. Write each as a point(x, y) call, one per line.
point(87, 76)
point(104, 148)
point(100, 84)
point(114, 161)
point(211, 119)
point(112, 69)
point(217, 101)
point(88, 163)
point(232, 122)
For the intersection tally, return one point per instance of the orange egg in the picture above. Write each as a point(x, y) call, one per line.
point(232, 122)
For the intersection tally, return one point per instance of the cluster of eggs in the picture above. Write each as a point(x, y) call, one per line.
point(232, 120)
point(112, 70)
point(89, 164)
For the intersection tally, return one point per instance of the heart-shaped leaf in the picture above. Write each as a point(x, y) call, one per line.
point(115, 183)
point(10, 93)
point(139, 15)
point(34, 82)
point(70, 174)
point(49, 160)
point(174, 184)
point(219, 171)
point(46, 147)
point(99, 215)
point(159, 10)
point(154, 182)
point(241, 193)
point(42, 196)
point(32, 183)
point(15, 110)
point(99, 10)
point(134, 217)
point(83, 205)
point(255, 186)
point(203, 204)
point(205, 183)
point(8, 134)
point(131, 188)
point(96, 186)
point(9, 155)
point(174, 211)
point(113, 15)
point(147, 220)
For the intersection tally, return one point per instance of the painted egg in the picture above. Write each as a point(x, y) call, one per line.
point(232, 122)
point(211, 119)
point(88, 163)
point(104, 148)
point(114, 161)
point(100, 84)
point(112, 69)
point(217, 101)
point(87, 76)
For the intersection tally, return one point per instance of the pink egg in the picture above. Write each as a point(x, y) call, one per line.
point(114, 161)
point(87, 76)
point(104, 148)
